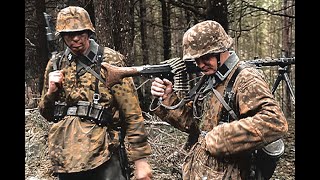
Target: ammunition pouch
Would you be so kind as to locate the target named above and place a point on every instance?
(85, 110)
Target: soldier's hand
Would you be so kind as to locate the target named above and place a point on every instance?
(55, 80)
(143, 170)
(161, 88)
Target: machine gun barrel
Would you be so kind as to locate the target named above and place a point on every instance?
(282, 62)
(50, 27)
(52, 46)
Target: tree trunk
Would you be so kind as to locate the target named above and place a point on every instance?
(113, 20)
(286, 39)
(145, 90)
(103, 25)
(218, 10)
(165, 8)
(36, 56)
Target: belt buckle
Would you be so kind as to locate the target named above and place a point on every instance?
(72, 111)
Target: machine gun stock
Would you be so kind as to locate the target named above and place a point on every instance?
(114, 74)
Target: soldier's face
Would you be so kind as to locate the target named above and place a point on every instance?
(207, 63)
(78, 41)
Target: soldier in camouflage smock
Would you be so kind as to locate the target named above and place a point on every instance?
(84, 139)
(224, 148)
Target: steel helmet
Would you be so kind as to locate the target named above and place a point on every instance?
(203, 38)
(72, 19)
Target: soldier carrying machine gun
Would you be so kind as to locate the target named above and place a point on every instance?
(178, 70)
(174, 67)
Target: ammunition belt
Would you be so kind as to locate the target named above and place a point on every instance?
(85, 110)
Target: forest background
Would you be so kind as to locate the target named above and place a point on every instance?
(150, 31)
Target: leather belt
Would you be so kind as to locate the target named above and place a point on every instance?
(84, 109)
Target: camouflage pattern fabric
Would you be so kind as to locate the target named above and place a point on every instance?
(196, 167)
(204, 38)
(228, 145)
(73, 18)
(78, 144)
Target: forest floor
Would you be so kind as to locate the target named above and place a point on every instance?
(166, 143)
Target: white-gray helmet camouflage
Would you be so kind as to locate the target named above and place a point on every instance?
(204, 38)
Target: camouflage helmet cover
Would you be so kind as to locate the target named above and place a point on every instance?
(72, 19)
(203, 38)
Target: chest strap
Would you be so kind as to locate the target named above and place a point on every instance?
(89, 69)
(95, 72)
(229, 98)
(96, 95)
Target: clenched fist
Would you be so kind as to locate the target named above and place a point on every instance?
(55, 80)
(161, 88)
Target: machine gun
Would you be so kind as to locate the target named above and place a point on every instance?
(283, 64)
(178, 70)
(173, 69)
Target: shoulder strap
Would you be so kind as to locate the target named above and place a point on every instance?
(195, 88)
(96, 73)
(88, 68)
(225, 105)
(229, 98)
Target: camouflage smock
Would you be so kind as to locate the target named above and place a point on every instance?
(79, 145)
(224, 148)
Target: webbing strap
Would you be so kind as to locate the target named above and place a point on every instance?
(229, 97)
(96, 95)
(224, 103)
(96, 73)
(89, 69)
